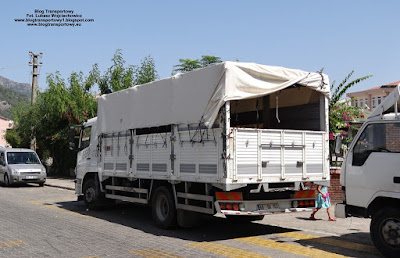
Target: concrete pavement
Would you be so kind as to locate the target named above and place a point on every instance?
(64, 183)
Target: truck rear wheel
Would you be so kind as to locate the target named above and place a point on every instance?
(163, 208)
(385, 231)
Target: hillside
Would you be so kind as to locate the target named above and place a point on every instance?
(23, 88)
(11, 94)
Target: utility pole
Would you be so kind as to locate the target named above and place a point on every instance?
(35, 73)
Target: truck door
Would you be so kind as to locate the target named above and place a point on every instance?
(373, 163)
(86, 156)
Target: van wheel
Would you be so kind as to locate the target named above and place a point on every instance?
(163, 208)
(6, 180)
(91, 194)
(385, 231)
(41, 184)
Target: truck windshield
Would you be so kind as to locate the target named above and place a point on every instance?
(22, 158)
(377, 137)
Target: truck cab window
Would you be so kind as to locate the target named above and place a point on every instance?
(85, 137)
(379, 137)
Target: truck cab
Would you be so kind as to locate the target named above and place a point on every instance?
(370, 176)
(87, 154)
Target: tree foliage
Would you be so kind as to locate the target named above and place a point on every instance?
(119, 77)
(61, 105)
(71, 102)
(341, 113)
(186, 65)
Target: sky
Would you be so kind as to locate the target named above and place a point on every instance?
(339, 36)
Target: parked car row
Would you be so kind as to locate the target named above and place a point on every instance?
(21, 166)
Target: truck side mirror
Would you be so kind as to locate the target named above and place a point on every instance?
(338, 144)
(71, 138)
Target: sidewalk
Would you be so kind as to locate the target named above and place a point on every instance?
(65, 183)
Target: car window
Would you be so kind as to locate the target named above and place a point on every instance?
(22, 158)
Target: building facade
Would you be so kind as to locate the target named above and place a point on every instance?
(370, 98)
(4, 125)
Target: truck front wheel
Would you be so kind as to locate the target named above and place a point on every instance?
(91, 193)
(385, 231)
(163, 208)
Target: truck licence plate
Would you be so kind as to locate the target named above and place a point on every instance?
(30, 177)
(268, 206)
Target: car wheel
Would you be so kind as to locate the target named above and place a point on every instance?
(385, 231)
(41, 184)
(163, 208)
(6, 180)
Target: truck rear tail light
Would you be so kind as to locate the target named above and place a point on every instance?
(236, 206)
(303, 203)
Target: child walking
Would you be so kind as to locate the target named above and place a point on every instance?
(323, 201)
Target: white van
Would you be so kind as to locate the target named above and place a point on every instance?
(21, 166)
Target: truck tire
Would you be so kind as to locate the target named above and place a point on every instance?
(163, 208)
(243, 219)
(92, 194)
(385, 231)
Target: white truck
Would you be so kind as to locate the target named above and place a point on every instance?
(239, 139)
(370, 176)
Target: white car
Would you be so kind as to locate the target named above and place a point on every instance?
(21, 166)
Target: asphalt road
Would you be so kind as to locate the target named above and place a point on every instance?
(49, 222)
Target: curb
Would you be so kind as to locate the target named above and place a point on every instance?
(59, 186)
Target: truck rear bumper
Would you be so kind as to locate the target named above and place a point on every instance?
(256, 213)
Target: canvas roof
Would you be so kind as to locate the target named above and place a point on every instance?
(198, 95)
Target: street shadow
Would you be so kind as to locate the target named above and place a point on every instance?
(213, 228)
(20, 185)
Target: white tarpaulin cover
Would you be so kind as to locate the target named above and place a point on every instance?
(197, 95)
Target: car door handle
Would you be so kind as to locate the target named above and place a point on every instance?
(396, 180)
(87, 158)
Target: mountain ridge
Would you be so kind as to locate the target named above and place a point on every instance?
(11, 93)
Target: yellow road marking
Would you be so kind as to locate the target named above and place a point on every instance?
(52, 206)
(12, 243)
(223, 250)
(294, 249)
(332, 242)
(154, 253)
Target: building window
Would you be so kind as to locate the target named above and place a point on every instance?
(361, 103)
(373, 103)
(366, 102)
(356, 103)
(379, 100)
